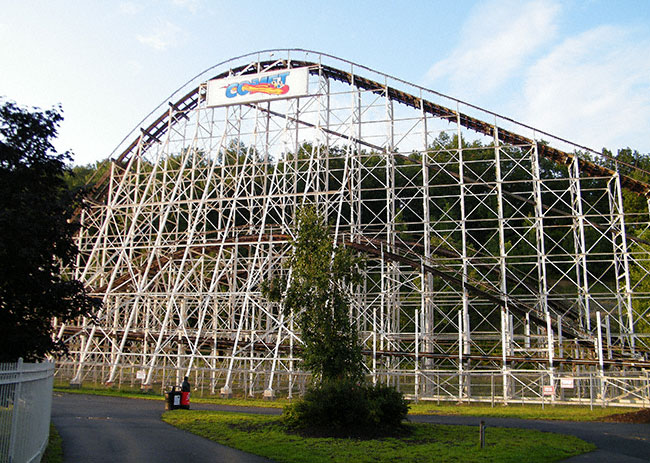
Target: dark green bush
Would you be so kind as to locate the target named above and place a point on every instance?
(388, 407)
(344, 408)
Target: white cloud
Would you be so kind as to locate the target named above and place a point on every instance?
(496, 40)
(591, 86)
(130, 8)
(165, 35)
(594, 89)
(191, 5)
(135, 67)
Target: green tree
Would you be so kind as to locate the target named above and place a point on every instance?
(339, 403)
(316, 294)
(36, 237)
(85, 177)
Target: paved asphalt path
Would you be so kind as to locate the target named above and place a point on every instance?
(112, 429)
(99, 429)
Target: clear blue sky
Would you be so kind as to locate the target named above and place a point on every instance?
(577, 69)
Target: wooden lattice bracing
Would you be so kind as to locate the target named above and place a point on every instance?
(496, 256)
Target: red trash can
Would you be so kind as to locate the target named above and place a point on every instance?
(185, 394)
(185, 400)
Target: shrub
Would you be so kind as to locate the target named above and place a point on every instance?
(344, 408)
(388, 407)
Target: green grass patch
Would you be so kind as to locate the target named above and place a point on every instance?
(526, 412)
(267, 436)
(54, 451)
(137, 394)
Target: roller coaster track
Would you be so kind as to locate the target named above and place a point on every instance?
(441, 212)
(373, 247)
(157, 129)
(225, 343)
(378, 248)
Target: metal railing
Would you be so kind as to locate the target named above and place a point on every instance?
(25, 408)
(618, 389)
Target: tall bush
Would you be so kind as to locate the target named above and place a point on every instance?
(347, 409)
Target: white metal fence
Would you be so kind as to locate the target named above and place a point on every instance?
(619, 389)
(25, 407)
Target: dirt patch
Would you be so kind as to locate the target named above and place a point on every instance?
(641, 416)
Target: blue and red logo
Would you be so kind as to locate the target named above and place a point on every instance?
(269, 85)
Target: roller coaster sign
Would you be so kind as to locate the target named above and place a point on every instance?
(289, 83)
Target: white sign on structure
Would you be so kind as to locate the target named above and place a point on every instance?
(548, 390)
(265, 86)
(566, 383)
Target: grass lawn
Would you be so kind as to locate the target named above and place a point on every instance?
(266, 436)
(54, 451)
(526, 412)
(557, 412)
